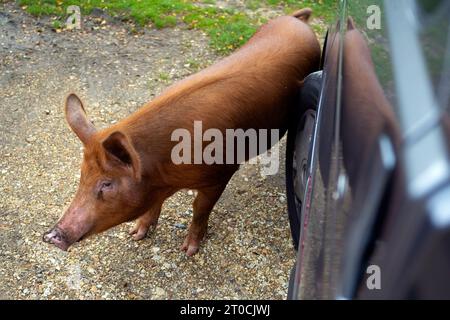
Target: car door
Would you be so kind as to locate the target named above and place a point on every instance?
(353, 154)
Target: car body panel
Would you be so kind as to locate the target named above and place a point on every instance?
(379, 166)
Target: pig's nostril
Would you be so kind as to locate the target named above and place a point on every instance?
(55, 237)
(51, 236)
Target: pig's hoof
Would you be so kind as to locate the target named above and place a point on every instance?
(190, 246)
(139, 232)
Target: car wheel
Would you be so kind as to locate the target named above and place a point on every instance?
(298, 151)
(299, 143)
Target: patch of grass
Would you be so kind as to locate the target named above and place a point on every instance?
(325, 9)
(228, 28)
(193, 64)
(164, 76)
(56, 24)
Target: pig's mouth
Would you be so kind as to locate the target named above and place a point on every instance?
(58, 237)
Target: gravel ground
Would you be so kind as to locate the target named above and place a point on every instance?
(247, 253)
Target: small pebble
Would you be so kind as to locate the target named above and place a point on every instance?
(180, 225)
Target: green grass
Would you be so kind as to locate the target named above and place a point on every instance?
(163, 76)
(193, 65)
(326, 9)
(228, 28)
(56, 24)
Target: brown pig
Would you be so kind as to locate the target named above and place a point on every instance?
(127, 171)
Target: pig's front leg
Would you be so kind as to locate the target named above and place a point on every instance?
(145, 222)
(203, 204)
(150, 218)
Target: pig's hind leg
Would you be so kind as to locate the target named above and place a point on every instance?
(202, 206)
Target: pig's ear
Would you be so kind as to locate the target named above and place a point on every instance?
(119, 148)
(76, 117)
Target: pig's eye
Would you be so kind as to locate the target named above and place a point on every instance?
(106, 185)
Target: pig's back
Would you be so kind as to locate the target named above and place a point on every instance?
(252, 88)
(284, 45)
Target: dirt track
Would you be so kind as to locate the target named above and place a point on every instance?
(248, 252)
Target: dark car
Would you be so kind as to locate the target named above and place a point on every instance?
(368, 157)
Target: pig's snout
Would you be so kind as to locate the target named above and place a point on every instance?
(57, 237)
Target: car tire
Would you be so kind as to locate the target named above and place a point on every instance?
(309, 98)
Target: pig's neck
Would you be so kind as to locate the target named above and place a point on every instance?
(148, 131)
